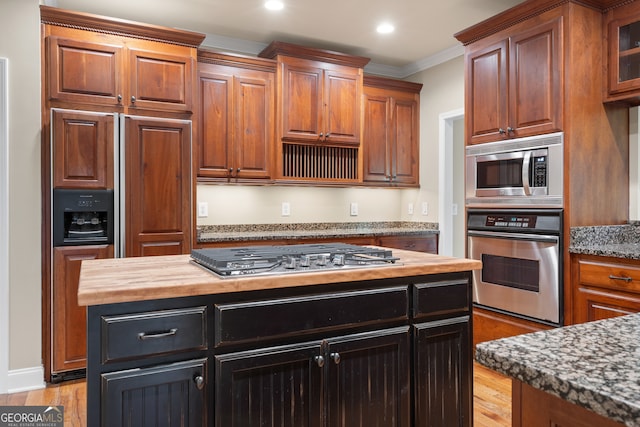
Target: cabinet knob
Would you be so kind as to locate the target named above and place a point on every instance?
(319, 361)
(328, 135)
(237, 169)
(335, 357)
(501, 131)
(199, 380)
(510, 129)
(321, 135)
(119, 99)
(133, 99)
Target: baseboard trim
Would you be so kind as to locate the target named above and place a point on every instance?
(26, 379)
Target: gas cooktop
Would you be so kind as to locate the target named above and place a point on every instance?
(283, 259)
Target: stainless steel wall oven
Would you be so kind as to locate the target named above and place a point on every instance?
(521, 254)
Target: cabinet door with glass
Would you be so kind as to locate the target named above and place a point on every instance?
(624, 57)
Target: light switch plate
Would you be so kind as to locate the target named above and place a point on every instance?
(354, 209)
(286, 209)
(203, 209)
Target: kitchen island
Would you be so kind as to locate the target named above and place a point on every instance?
(579, 375)
(169, 343)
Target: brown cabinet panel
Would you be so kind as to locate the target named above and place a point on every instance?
(302, 104)
(215, 125)
(425, 243)
(343, 91)
(82, 144)
(161, 81)
(514, 84)
(84, 71)
(320, 102)
(69, 333)
(535, 97)
(486, 101)
(158, 186)
(236, 122)
(391, 136)
(604, 287)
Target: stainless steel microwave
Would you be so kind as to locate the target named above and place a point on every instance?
(523, 172)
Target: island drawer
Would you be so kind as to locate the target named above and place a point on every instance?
(443, 297)
(298, 316)
(613, 275)
(153, 333)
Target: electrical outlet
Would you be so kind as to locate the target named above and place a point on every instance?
(425, 208)
(286, 209)
(454, 209)
(410, 209)
(354, 209)
(203, 209)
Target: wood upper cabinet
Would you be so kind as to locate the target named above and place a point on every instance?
(391, 132)
(124, 65)
(82, 149)
(105, 70)
(604, 287)
(235, 120)
(320, 102)
(514, 83)
(157, 186)
(622, 25)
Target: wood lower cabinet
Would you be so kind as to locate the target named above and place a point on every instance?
(391, 131)
(513, 81)
(320, 356)
(69, 332)
(320, 383)
(604, 287)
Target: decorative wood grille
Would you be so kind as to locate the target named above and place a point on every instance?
(319, 162)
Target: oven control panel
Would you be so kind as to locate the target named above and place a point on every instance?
(515, 221)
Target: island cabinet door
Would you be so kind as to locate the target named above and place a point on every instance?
(170, 395)
(277, 386)
(442, 373)
(368, 379)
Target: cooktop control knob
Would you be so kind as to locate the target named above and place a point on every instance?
(322, 259)
(338, 259)
(289, 262)
(305, 261)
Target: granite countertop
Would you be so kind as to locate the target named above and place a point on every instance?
(595, 365)
(253, 232)
(619, 241)
(117, 280)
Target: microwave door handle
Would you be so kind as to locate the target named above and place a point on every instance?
(526, 165)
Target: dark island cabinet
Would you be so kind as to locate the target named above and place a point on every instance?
(379, 352)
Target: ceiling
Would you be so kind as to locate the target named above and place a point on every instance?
(423, 35)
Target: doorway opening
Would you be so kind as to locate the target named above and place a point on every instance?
(451, 214)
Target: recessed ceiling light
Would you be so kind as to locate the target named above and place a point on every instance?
(274, 4)
(385, 28)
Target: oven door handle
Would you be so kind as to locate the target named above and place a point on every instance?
(514, 236)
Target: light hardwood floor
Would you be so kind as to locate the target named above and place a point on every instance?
(491, 400)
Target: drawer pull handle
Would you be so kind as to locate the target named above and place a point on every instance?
(199, 380)
(147, 336)
(335, 357)
(626, 279)
(319, 360)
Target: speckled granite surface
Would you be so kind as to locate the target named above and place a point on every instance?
(620, 241)
(595, 365)
(225, 233)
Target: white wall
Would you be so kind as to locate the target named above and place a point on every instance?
(20, 43)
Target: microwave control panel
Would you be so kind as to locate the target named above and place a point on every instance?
(539, 171)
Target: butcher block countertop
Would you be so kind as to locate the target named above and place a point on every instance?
(117, 280)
